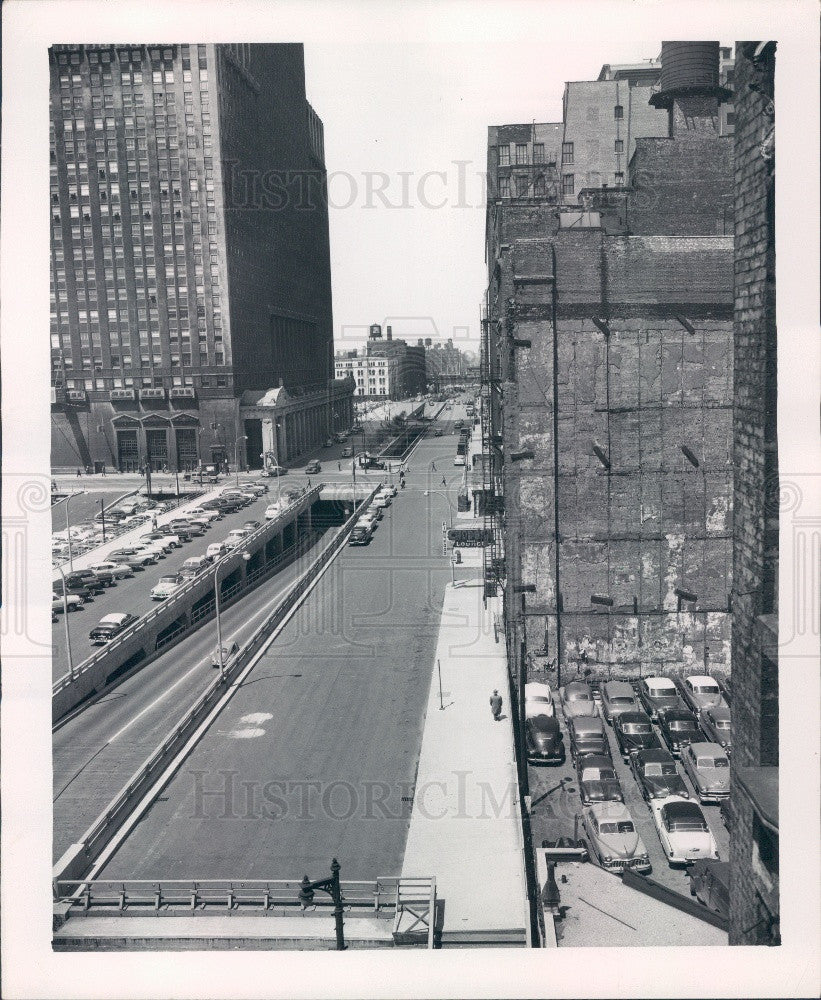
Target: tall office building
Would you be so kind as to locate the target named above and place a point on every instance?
(191, 292)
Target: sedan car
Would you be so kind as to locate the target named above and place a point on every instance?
(236, 537)
(166, 586)
(251, 525)
(617, 697)
(72, 589)
(204, 512)
(136, 558)
(658, 693)
(73, 601)
(347, 451)
(587, 736)
(313, 467)
(657, 776)
(109, 627)
(360, 535)
(678, 727)
(716, 725)
(197, 563)
(120, 571)
(576, 699)
(193, 527)
(229, 654)
(538, 700)
(95, 581)
(634, 732)
(701, 691)
(683, 831)
(709, 770)
(597, 780)
(165, 542)
(612, 837)
(543, 740)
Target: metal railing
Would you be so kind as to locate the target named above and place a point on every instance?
(135, 897)
(176, 598)
(123, 804)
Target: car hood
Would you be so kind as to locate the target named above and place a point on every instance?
(621, 845)
(666, 784)
(607, 790)
(714, 777)
(546, 741)
(692, 841)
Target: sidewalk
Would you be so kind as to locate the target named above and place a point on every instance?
(465, 828)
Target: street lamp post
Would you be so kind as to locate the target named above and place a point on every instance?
(65, 622)
(68, 530)
(332, 887)
(242, 437)
(441, 493)
(246, 556)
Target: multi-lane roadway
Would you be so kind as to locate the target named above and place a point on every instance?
(339, 697)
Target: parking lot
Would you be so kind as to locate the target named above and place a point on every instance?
(556, 802)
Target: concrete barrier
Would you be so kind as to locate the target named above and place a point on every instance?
(270, 546)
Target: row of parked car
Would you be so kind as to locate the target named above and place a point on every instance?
(82, 585)
(119, 519)
(690, 720)
(368, 520)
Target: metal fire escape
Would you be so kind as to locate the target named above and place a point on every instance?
(490, 415)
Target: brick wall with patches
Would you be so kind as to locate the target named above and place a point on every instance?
(638, 516)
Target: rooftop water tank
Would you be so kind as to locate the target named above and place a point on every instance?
(688, 68)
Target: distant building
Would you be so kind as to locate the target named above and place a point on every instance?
(374, 375)
(410, 361)
(181, 303)
(444, 363)
(754, 841)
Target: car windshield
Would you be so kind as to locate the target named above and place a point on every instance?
(598, 774)
(683, 725)
(687, 823)
(540, 698)
(713, 762)
(637, 728)
(721, 723)
(168, 579)
(624, 827)
(658, 770)
(663, 692)
(706, 689)
(580, 696)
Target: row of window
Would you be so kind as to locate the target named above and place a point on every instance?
(521, 154)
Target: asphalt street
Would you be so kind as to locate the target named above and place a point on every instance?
(316, 754)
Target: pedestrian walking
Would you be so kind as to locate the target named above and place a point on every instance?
(78, 473)
(496, 705)
(154, 522)
(309, 482)
(433, 466)
(338, 466)
(444, 481)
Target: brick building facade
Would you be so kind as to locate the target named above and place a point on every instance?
(754, 790)
(607, 384)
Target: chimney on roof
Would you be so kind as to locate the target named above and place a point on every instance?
(389, 333)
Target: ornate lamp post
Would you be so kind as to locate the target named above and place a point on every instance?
(246, 556)
(331, 886)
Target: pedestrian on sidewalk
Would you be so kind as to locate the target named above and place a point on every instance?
(338, 466)
(444, 481)
(78, 473)
(433, 466)
(496, 705)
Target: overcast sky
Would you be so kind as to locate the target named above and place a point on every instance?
(407, 243)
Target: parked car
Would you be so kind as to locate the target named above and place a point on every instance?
(544, 743)
(368, 520)
(187, 573)
(438, 432)
(587, 736)
(253, 490)
(459, 460)
(165, 542)
(376, 511)
(701, 691)
(251, 525)
(597, 779)
(77, 590)
(193, 527)
(328, 443)
(683, 831)
(96, 582)
(313, 467)
(657, 775)
(120, 571)
(110, 627)
(716, 725)
(229, 654)
(634, 732)
(136, 558)
(197, 563)
(360, 535)
(200, 512)
(659, 693)
(617, 697)
(166, 586)
(612, 837)
(381, 500)
(709, 770)
(347, 451)
(710, 884)
(157, 548)
(538, 700)
(275, 509)
(678, 727)
(576, 699)
(73, 601)
(274, 470)
(183, 533)
(236, 537)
